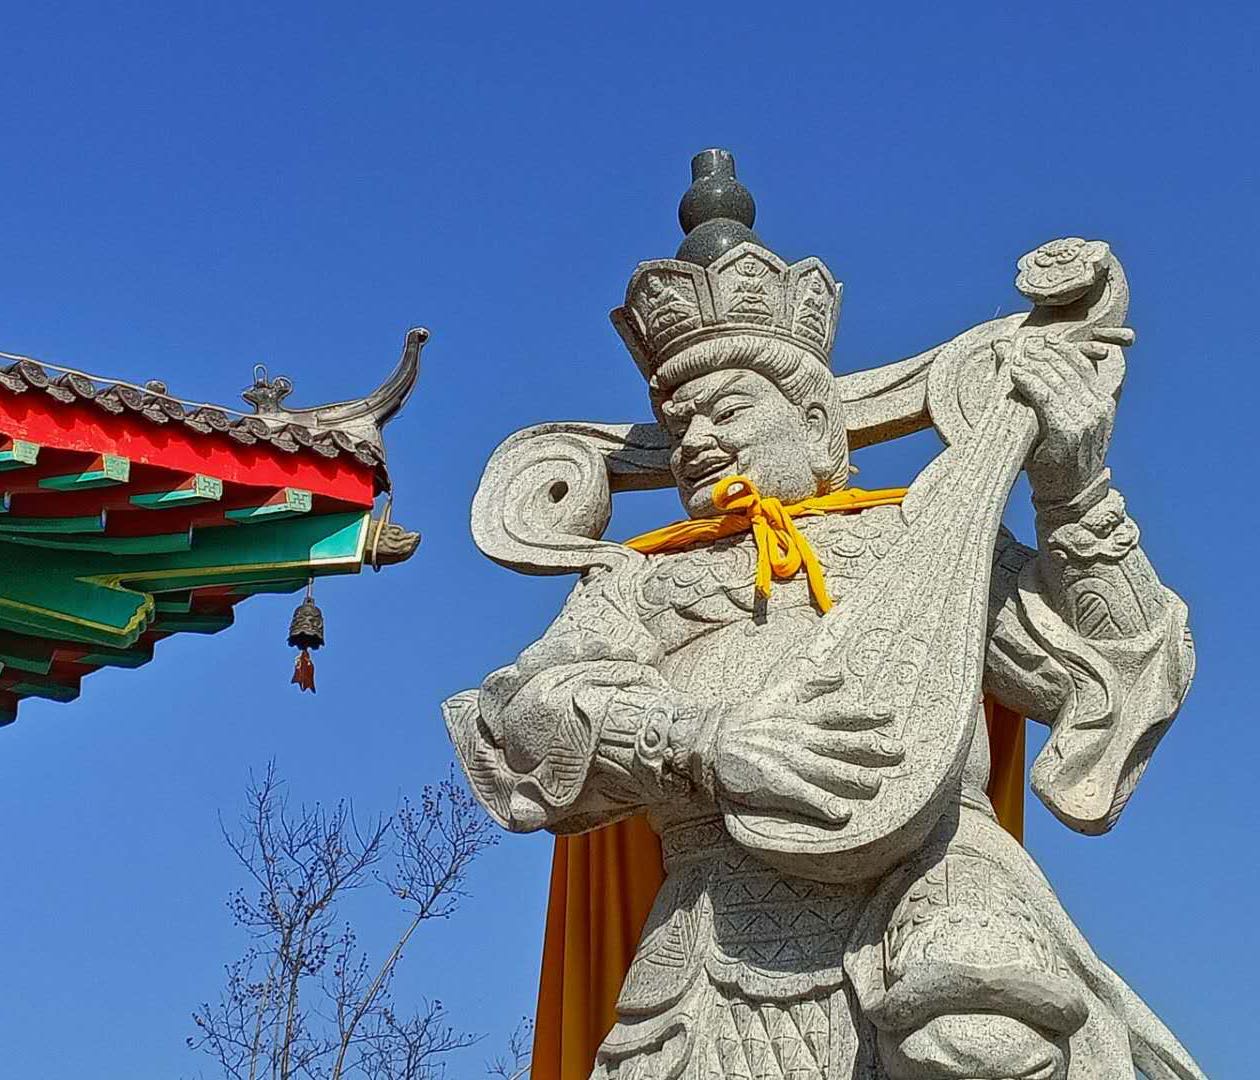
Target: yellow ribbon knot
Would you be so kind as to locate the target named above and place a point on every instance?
(781, 547)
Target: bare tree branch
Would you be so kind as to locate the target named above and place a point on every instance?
(516, 1064)
(434, 847)
(304, 1002)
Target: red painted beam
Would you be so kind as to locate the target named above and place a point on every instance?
(85, 428)
(29, 500)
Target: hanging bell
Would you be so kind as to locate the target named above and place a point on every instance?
(306, 632)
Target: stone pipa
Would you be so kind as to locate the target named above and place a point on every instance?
(910, 636)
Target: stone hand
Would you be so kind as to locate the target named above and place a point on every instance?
(1074, 413)
(802, 758)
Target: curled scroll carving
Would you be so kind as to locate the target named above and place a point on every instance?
(962, 372)
(545, 498)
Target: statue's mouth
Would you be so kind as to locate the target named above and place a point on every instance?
(705, 472)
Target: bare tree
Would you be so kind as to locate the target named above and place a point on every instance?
(305, 1001)
(515, 1064)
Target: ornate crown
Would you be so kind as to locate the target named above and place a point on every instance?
(724, 281)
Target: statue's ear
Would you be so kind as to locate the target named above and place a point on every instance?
(825, 444)
(817, 422)
(818, 429)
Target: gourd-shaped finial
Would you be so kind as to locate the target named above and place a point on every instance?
(717, 211)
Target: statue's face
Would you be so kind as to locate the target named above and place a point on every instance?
(738, 422)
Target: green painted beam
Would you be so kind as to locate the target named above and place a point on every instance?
(106, 471)
(18, 454)
(157, 544)
(49, 689)
(174, 603)
(100, 599)
(121, 658)
(286, 503)
(55, 625)
(309, 545)
(193, 622)
(287, 586)
(11, 523)
(26, 653)
(198, 489)
(92, 619)
(46, 593)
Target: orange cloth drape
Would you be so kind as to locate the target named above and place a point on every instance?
(1006, 766)
(602, 887)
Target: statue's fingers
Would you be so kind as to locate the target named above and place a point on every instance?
(1115, 335)
(820, 686)
(1078, 361)
(1094, 351)
(1049, 392)
(1055, 409)
(1058, 374)
(1073, 378)
(1031, 386)
(1082, 400)
(858, 747)
(838, 777)
(830, 716)
(781, 789)
(1073, 394)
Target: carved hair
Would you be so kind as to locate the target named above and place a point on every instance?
(795, 371)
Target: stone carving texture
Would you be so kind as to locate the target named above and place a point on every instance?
(839, 900)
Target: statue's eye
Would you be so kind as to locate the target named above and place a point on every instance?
(726, 413)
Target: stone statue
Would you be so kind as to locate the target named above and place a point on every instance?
(796, 700)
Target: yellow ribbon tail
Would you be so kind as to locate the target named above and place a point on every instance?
(761, 534)
(813, 571)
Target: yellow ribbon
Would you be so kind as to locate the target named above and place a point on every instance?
(781, 548)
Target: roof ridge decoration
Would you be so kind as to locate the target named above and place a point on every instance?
(350, 427)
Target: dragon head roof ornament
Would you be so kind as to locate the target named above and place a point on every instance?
(723, 282)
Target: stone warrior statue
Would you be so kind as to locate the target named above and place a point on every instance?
(790, 683)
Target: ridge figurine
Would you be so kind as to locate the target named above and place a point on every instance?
(790, 683)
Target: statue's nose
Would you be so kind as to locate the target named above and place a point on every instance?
(698, 437)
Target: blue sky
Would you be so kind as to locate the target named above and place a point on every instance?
(188, 189)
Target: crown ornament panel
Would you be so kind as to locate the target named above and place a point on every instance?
(748, 287)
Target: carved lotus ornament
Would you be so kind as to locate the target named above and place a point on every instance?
(1062, 270)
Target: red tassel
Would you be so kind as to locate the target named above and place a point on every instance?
(304, 672)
